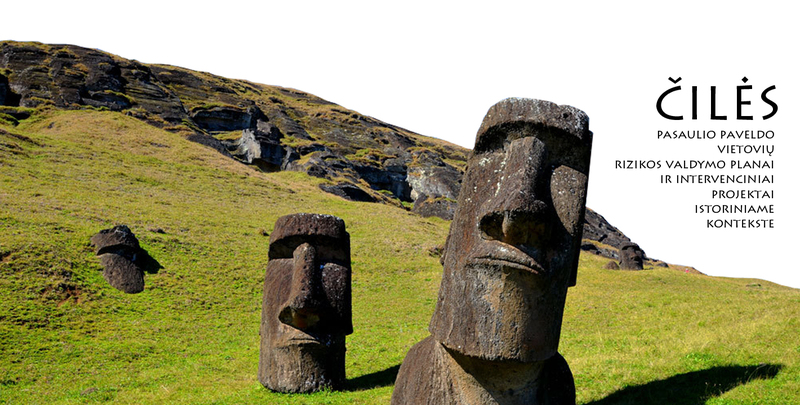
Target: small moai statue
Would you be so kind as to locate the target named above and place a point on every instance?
(306, 307)
(510, 256)
(631, 257)
(121, 258)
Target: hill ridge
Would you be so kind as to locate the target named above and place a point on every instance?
(275, 128)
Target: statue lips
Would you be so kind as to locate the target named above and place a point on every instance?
(296, 337)
(505, 255)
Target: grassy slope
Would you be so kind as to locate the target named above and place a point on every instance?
(650, 337)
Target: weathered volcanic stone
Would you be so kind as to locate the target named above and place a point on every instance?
(306, 308)
(225, 118)
(3, 89)
(511, 254)
(595, 227)
(262, 147)
(348, 191)
(631, 257)
(69, 76)
(121, 258)
(440, 207)
(430, 175)
(612, 265)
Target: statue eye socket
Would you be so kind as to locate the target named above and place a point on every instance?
(284, 249)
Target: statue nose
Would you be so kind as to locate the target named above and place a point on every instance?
(520, 224)
(303, 308)
(517, 211)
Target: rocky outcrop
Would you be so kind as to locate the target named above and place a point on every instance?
(441, 207)
(273, 128)
(348, 191)
(596, 228)
(429, 175)
(225, 118)
(273, 122)
(68, 76)
(3, 89)
(262, 149)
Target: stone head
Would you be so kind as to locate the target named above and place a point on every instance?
(514, 242)
(121, 257)
(306, 310)
(631, 257)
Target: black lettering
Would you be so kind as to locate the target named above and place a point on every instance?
(740, 103)
(770, 102)
(714, 105)
(661, 110)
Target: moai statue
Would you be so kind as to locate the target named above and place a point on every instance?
(511, 253)
(631, 257)
(306, 312)
(121, 257)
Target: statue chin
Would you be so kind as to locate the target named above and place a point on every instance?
(510, 305)
(303, 367)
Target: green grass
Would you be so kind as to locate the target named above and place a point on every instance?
(650, 337)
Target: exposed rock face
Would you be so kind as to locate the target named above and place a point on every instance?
(385, 178)
(225, 118)
(69, 76)
(511, 254)
(597, 228)
(123, 260)
(604, 251)
(431, 176)
(440, 207)
(348, 191)
(3, 89)
(306, 309)
(262, 149)
(631, 257)
(279, 128)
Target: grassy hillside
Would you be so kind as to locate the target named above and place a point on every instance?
(651, 337)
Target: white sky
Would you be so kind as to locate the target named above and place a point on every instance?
(436, 68)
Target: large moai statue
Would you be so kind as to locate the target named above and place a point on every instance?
(306, 311)
(510, 256)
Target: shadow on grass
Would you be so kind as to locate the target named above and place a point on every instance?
(692, 388)
(375, 380)
(148, 263)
